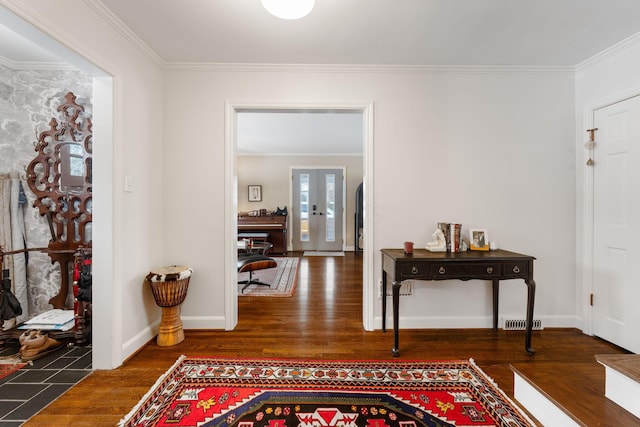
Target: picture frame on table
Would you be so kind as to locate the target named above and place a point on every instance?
(255, 193)
(478, 239)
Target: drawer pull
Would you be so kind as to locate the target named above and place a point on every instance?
(414, 270)
(442, 270)
(489, 270)
(516, 269)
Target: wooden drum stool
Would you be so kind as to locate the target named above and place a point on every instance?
(169, 286)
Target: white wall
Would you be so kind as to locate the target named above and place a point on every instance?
(612, 76)
(273, 173)
(490, 148)
(127, 226)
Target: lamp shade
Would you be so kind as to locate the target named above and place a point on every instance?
(288, 9)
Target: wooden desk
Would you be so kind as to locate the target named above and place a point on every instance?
(424, 265)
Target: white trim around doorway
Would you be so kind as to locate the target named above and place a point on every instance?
(231, 199)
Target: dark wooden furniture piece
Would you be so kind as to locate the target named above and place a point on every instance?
(274, 225)
(425, 265)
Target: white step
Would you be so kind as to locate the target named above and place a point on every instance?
(565, 394)
(539, 404)
(622, 380)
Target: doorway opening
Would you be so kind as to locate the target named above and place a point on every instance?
(102, 100)
(236, 181)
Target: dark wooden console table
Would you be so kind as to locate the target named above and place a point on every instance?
(425, 265)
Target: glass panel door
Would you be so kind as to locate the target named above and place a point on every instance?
(317, 216)
(330, 203)
(303, 207)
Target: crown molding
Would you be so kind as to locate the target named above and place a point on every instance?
(6, 63)
(124, 31)
(121, 28)
(32, 65)
(357, 68)
(58, 40)
(609, 52)
(299, 154)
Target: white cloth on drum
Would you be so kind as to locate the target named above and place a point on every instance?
(170, 273)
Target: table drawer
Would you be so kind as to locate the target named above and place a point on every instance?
(516, 269)
(414, 270)
(470, 270)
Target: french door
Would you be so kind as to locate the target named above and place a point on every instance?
(317, 211)
(616, 288)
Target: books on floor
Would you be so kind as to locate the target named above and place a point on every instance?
(52, 320)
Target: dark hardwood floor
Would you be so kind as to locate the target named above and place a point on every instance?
(323, 320)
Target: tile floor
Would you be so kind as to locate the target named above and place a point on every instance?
(25, 392)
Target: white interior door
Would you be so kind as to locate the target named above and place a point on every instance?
(616, 286)
(317, 211)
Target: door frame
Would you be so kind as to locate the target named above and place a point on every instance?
(232, 108)
(107, 318)
(585, 259)
(344, 199)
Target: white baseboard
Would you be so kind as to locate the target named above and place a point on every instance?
(203, 322)
(455, 322)
(140, 340)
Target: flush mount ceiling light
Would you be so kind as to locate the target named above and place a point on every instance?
(288, 9)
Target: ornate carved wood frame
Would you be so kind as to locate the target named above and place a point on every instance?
(60, 177)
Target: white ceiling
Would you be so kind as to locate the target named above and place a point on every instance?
(379, 32)
(384, 32)
(18, 49)
(300, 132)
(518, 33)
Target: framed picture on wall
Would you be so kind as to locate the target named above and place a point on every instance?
(478, 239)
(255, 193)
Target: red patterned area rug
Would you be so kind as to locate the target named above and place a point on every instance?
(9, 365)
(296, 393)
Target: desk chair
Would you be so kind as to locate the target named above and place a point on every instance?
(252, 262)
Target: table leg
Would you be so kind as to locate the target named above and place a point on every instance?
(384, 301)
(395, 290)
(531, 295)
(496, 291)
